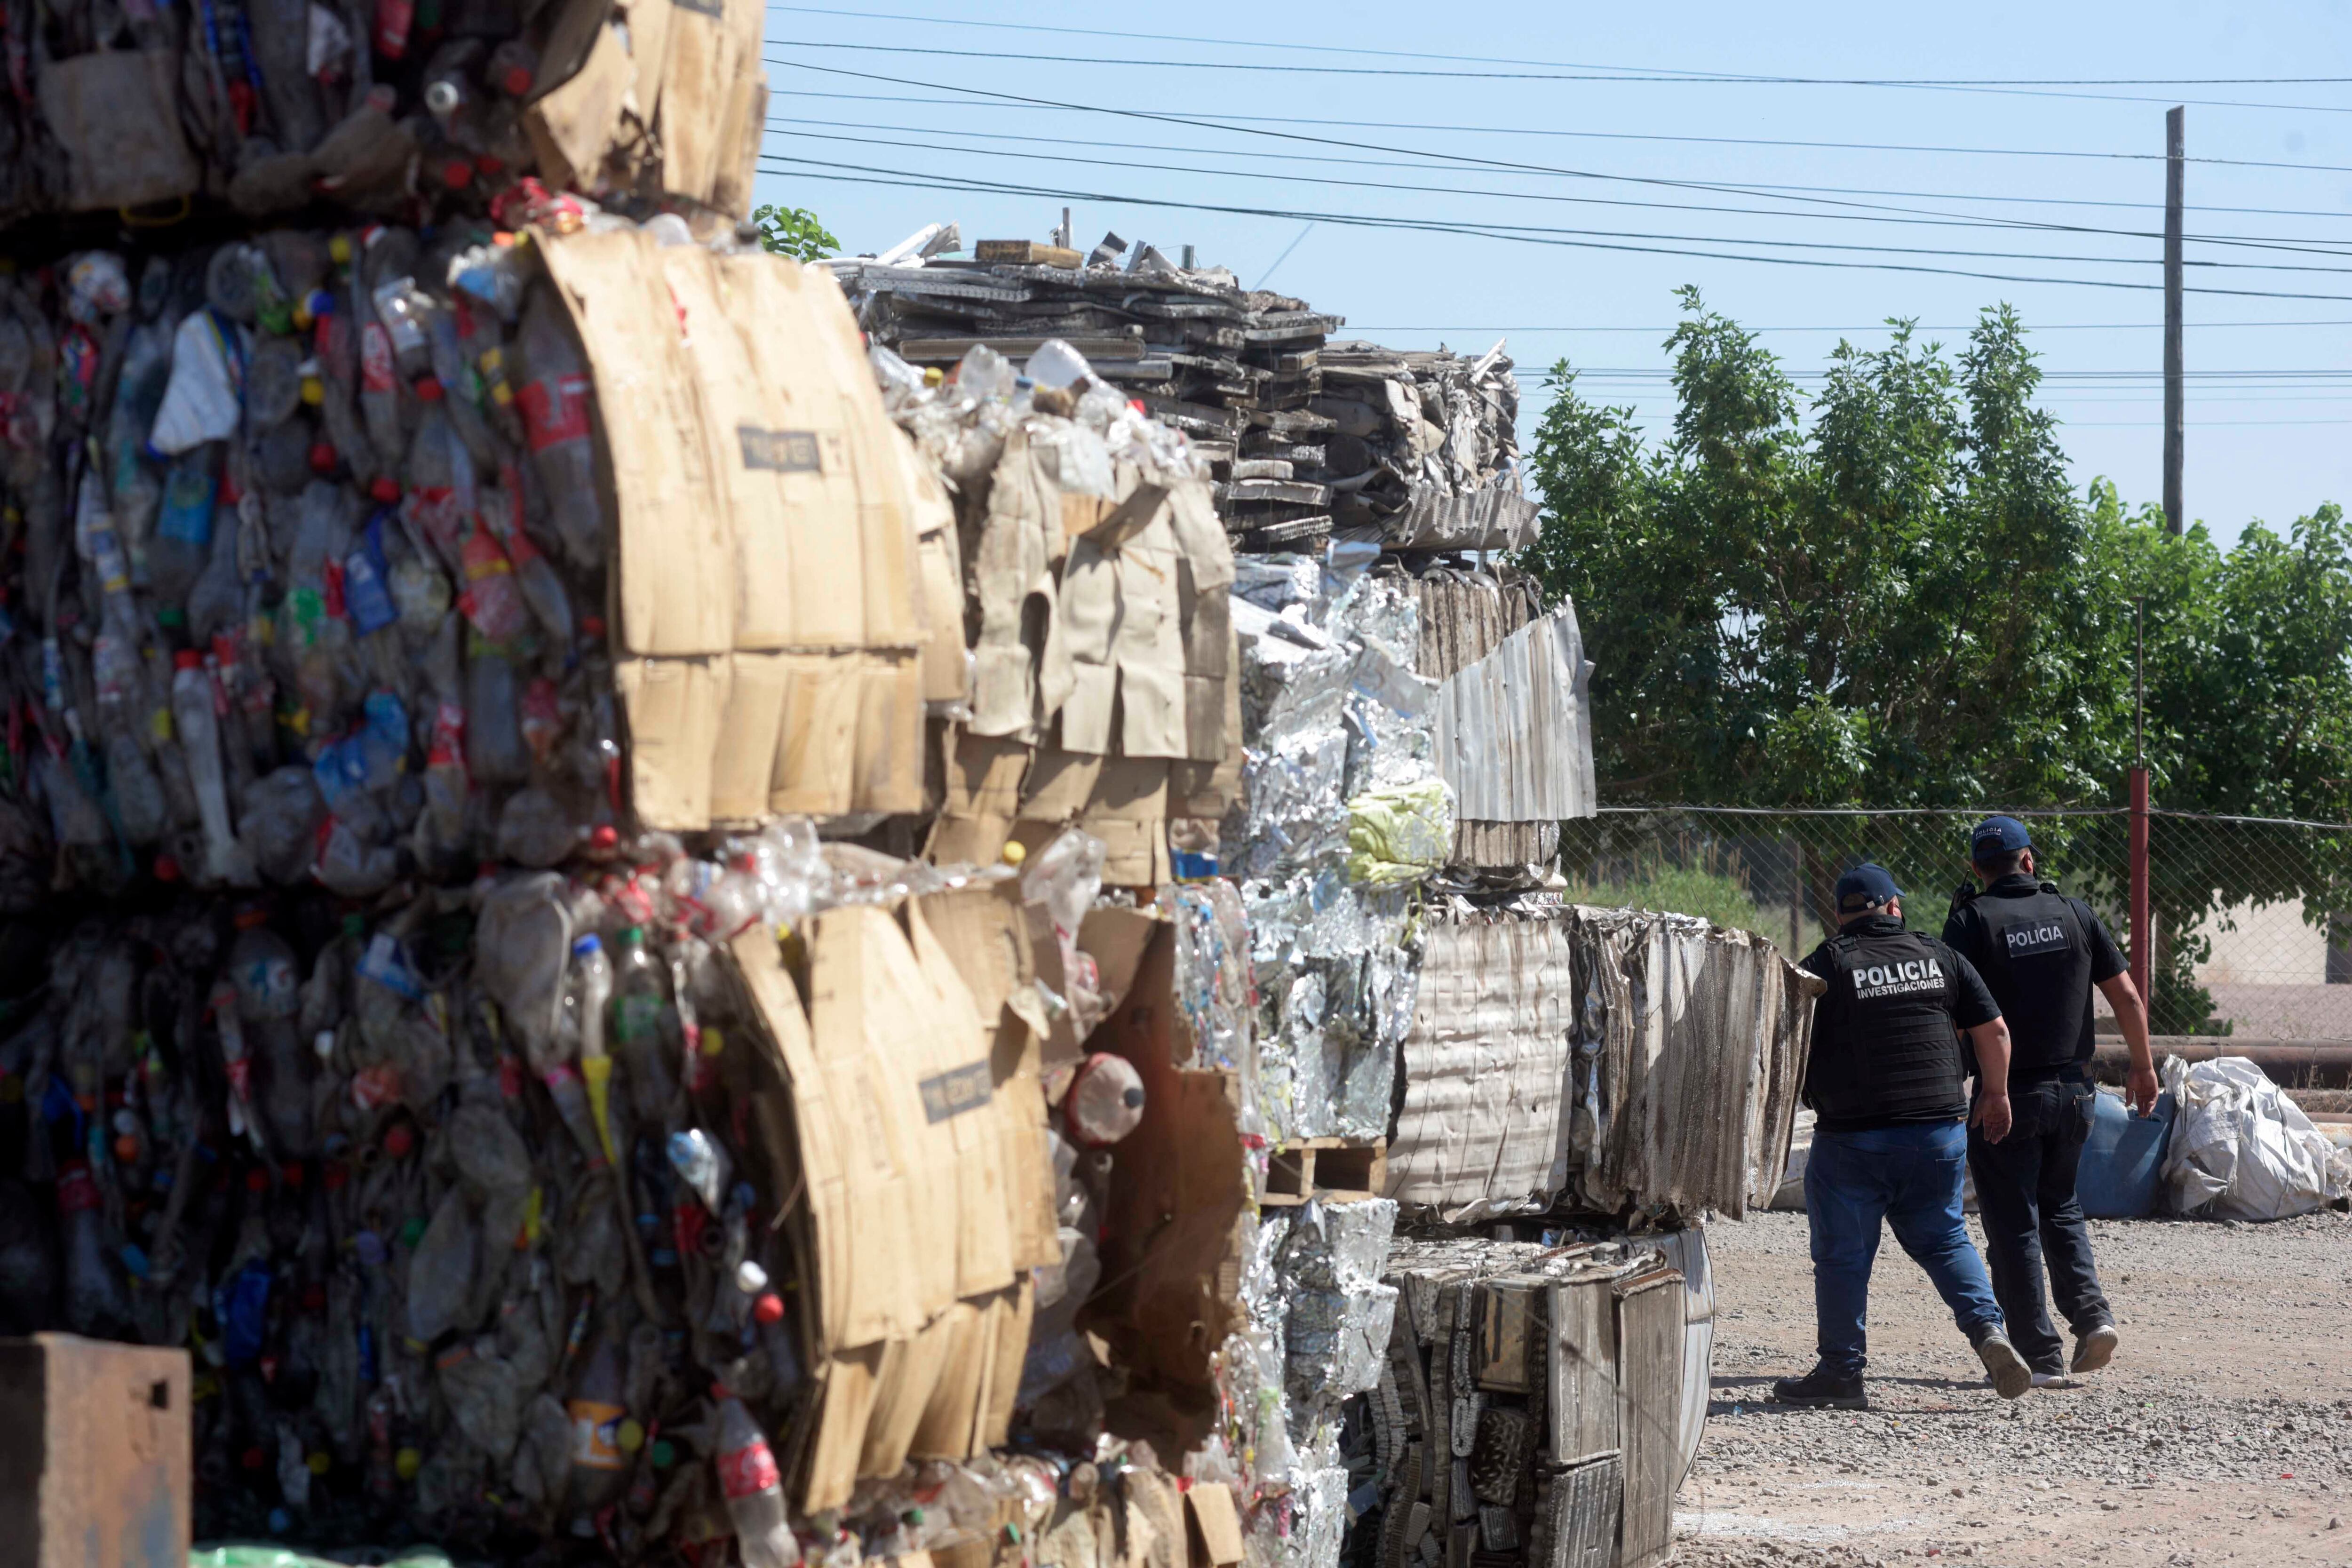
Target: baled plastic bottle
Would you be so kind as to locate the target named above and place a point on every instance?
(192, 716)
(637, 1028)
(442, 1270)
(553, 398)
(1105, 1103)
(597, 1407)
(495, 753)
(754, 1491)
(181, 547)
(95, 1303)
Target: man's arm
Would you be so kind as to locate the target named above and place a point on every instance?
(2131, 1013)
(1991, 1112)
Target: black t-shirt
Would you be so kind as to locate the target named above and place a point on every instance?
(1879, 1010)
(2047, 1004)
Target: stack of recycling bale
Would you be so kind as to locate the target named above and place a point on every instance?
(371, 1030)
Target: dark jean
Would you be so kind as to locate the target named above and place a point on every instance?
(2025, 1195)
(1910, 1177)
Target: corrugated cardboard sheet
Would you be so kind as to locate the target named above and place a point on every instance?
(666, 96)
(1515, 729)
(924, 1203)
(1594, 1052)
(770, 622)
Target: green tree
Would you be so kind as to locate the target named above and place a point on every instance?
(794, 232)
(1893, 598)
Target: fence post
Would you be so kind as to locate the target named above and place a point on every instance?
(2142, 948)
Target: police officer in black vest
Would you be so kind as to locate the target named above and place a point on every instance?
(1886, 1081)
(2041, 953)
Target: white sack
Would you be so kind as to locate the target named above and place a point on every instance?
(2241, 1149)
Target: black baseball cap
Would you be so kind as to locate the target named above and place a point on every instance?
(1998, 836)
(1866, 887)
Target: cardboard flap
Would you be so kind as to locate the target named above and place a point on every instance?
(1216, 1524)
(572, 125)
(877, 1037)
(707, 42)
(673, 543)
(674, 708)
(960, 1108)
(1115, 940)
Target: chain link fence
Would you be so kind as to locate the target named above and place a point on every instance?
(2251, 918)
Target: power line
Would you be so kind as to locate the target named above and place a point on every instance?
(776, 121)
(1927, 220)
(1248, 120)
(1507, 165)
(1875, 327)
(1588, 76)
(1496, 60)
(858, 174)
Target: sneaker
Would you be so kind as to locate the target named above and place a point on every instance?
(2053, 1380)
(2010, 1376)
(1822, 1389)
(2094, 1347)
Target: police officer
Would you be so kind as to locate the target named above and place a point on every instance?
(2040, 952)
(1886, 1082)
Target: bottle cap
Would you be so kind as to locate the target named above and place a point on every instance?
(398, 1140)
(412, 1231)
(187, 659)
(1014, 852)
(516, 81)
(629, 1436)
(586, 945)
(167, 870)
(406, 1463)
(769, 1307)
(458, 174)
(322, 456)
(428, 388)
(635, 934)
(386, 488)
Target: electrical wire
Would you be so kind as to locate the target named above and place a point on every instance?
(1584, 75)
(1500, 60)
(1248, 120)
(1505, 166)
(1927, 218)
(1396, 163)
(858, 174)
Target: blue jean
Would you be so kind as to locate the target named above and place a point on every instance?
(1910, 1177)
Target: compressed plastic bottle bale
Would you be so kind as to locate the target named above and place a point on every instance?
(441, 1272)
(483, 1400)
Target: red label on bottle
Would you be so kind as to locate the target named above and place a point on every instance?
(375, 358)
(376, 1086)
(392, 20)
(76, 1191)
(554, 409)
(748, 1471)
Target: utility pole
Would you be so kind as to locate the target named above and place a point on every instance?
(2175, 415)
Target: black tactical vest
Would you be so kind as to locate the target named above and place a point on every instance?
(1885, 1043)
(2037, 964)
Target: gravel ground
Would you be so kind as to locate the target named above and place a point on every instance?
(2222, 1432)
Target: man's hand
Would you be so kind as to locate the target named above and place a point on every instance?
(1991, 1114)
(2141, 1090)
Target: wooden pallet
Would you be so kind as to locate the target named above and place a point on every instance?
(1337, 1169)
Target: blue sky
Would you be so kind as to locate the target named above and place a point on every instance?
(1607, 173)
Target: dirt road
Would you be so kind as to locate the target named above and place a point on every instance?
(2222, 1434)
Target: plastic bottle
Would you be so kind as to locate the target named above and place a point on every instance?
(597, 1408)
(1105, 1103)
(441, 1273)
(553, 398)
(495, 753)
(541, 585)
(513, 67)
(95, 1304)
(591, 984)
(183, 530)
(492, 599)
(700, 1164)
(192, 716)
(754, 1491)
(637, 1028)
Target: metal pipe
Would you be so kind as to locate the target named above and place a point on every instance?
(2298, 1063)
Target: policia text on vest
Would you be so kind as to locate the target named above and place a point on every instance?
(2042, 954)
(1888, 1083)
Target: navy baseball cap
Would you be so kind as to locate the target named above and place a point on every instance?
(1866, 887)
(1998, 836)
